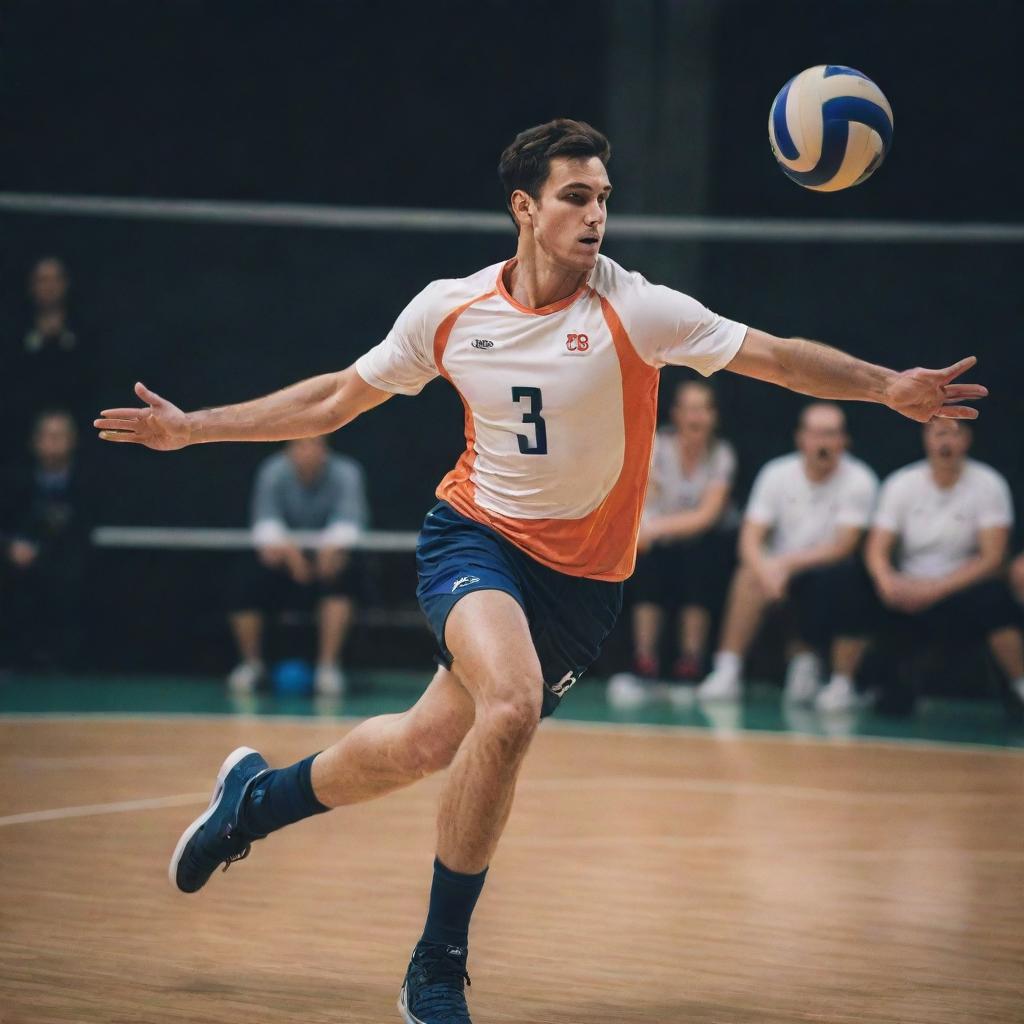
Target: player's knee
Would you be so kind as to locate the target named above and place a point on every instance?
(512, 720)
(435, 752)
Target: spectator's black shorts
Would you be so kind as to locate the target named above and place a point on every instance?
(255, 587)
(683, 573)
(967, 616)
(833, 600)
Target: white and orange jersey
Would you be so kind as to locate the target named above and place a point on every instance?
(561, 402)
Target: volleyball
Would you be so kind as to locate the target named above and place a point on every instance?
(830, 128)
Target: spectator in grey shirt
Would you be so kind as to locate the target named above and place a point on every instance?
(306, 487)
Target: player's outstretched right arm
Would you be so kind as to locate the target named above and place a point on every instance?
(315, 406)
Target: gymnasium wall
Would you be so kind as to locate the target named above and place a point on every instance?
(367, 104)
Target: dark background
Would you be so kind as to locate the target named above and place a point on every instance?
(409, 105)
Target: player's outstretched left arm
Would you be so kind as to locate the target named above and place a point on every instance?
(315, 406)
(824, 372)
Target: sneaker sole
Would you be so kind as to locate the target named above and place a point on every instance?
(232, 759)
(403, 1009)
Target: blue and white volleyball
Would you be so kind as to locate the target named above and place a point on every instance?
(830, 128)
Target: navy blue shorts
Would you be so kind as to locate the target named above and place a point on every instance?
(569, 616)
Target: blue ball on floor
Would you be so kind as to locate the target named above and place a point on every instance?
(292, 677)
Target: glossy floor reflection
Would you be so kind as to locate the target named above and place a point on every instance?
(953, 721)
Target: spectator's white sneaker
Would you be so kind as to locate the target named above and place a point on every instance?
(626, 691)
(803, 679)
(329, 681)
(838, 696)
(720, 685)
(245, 676)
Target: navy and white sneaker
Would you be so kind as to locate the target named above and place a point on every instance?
(217, 836)
(433, 991)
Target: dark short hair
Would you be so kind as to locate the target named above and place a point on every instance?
(526, 163)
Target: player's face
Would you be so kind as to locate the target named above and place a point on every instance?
(946, 441)
(569, 216)
(822, 438)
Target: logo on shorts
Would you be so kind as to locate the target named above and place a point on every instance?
(560, 688)
(577, 342)
(482, 343)
(464, 581)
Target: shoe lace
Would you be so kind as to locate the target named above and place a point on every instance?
(443, 996)
(240, 855)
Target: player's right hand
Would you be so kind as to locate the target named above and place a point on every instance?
(161, 425)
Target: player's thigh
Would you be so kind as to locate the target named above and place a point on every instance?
(493, 652)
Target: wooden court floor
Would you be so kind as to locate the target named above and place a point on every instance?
(656, 878)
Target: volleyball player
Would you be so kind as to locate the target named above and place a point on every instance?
(555, 354)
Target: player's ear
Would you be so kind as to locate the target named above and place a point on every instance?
(520, 203)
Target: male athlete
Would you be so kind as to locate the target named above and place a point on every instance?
(555, 355)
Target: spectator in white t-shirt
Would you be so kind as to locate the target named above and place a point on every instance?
(803, 525)
(937, 551)
(686, 545)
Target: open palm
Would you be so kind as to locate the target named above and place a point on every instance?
(160, 425)
(924, 395)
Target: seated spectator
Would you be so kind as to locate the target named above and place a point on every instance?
(305, 487)
(686, 544)
(936, 553)
(798, 542)
(45, 527)
(50, 366)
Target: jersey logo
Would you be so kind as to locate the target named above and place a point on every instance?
(577, 342)
(559, 689)
(482, 343)
(464, 581)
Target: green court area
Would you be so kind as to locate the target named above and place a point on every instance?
(983, 722)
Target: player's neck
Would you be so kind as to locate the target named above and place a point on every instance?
(535, 281)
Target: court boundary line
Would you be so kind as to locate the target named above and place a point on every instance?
(567, 725)
(93, 810)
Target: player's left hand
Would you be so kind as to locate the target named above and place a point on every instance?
(924, 395)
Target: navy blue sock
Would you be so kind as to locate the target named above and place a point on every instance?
(452, 899)
(281, 797)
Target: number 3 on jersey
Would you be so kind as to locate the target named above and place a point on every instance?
(534, 417)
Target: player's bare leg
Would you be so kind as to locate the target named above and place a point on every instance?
(250, 800)
(488, 634)
(389, 752)
(494, 655)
